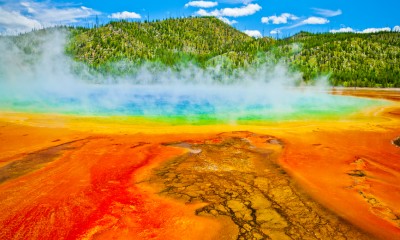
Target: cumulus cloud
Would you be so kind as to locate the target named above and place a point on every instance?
(68, 15)
(201, 4)
(125, 15)
(342, 30)
(327, 12)
(227, 21)
(374, 30)
(203, 12)
(275, 31)
(27, 5)
(237, 1)
(314, 21)
(25, 16)
(13, 22)
(253, 33)
(307, 21)
(54, 14)
(283, 18)
(368, 30)
(246, 10)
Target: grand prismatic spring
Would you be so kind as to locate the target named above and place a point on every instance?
(256, 159)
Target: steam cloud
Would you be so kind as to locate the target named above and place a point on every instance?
(44, 79)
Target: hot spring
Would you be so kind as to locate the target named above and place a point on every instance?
(188, 104)
(44, 82)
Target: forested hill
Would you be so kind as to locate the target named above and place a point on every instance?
(349, 59)
(170, 42)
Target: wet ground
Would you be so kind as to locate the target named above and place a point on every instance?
(243, 182)
(64, 177)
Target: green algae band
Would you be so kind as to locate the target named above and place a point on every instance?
(181, 104)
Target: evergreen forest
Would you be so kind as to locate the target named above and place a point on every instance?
(118, 48)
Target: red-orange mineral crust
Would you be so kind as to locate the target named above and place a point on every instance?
(78, 178)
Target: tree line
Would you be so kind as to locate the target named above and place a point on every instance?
(119, 48)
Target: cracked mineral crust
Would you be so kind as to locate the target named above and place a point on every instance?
(237, 176)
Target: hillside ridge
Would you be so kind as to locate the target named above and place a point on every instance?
(348, 59)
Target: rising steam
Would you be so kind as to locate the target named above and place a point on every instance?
(36, 75)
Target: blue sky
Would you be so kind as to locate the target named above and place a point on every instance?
(277, 18)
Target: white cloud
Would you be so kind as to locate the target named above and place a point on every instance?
(283, 18)
(342, 30)
(253, 33)
(227, 21)
(368, 30)
(237, 1)
(12, 22)
(125, 15)
(25, 16)
(275, 31)
(27, 5)
(202, 12)
(314, 21)
(374, 30)
(308, 21)
(327, 12)
(201, 4)
(65, 15)
(246, 10)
